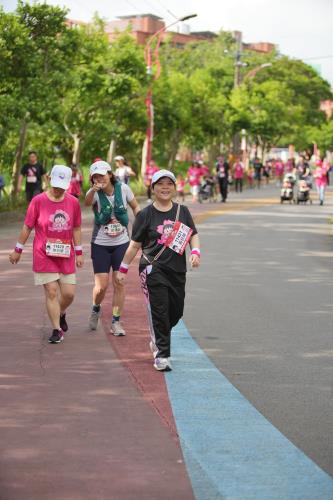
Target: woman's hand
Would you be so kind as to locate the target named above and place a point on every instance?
(194, 260)
(120, 278)
(14, 257)
(79, 261)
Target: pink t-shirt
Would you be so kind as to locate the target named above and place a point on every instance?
(180, 186)
(194, 174)
(238, 171)
(320, 175)
(279, 168)
(204, 170)
(75, 185)
(53, 221)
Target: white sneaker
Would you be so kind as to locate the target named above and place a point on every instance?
(117, 329)
(162, 364)
(153, 348)
(93, 320)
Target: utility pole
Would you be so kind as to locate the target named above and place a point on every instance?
(238, 58)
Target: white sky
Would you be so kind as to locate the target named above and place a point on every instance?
(300, 28)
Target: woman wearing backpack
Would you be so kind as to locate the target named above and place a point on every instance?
(109, 199)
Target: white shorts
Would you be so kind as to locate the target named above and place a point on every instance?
(195, 190)
(44, 278)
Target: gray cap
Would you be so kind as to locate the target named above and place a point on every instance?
(163, 173)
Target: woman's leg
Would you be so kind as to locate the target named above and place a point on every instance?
(67, 293)
(100, 287)
(52, 303)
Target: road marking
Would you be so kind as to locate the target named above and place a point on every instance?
(231, 450)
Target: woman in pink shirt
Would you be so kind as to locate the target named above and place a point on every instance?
(76, 182)
(238, 173)
(56, 217)
(320, 176)
(194, 175)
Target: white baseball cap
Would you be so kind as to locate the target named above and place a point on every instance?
(60, 176)
(99, 167)
(121, 158)
(163, 173)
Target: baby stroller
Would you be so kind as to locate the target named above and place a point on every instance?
(206, 190)
(287, 190)
(303, 192)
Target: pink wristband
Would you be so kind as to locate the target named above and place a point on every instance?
(78, 250)
(18, 250)
(196, 251)
(123, 269)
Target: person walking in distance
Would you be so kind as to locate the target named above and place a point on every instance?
(123, 172)
(150, 170)
(257, 165)
(56, 218)
(162, 231)
(320, 176)
(222, 172)
(238, 171)
(34, 173)
(109, 199)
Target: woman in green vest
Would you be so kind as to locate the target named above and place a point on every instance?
(109, 199)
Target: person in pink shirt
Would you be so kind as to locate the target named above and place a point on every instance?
(180, 187)
(204, 169)
(194, 175)
(320, 176)
(238, 174)
(76, 182)
(150, 170)
(279, 171)
(56, 218)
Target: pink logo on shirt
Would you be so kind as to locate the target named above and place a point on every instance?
(165, 230)
(59, 221)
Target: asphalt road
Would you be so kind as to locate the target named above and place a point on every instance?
(261, 308)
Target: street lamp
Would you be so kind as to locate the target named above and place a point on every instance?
(150, 63)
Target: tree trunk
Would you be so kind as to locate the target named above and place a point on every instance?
(144, 158)
(111, 151)
(19, 154)
(173, 149)
(76, 151)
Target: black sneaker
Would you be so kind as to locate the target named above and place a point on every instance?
(63, 322)
(56, 337)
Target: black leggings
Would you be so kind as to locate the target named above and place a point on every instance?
(164, 290)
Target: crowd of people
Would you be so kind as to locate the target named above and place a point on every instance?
(162, 231)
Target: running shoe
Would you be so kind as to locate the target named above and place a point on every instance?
(117, 329)
(93, 321)
(63, 322)
(153, 348)
(56, 337)
(162, 365)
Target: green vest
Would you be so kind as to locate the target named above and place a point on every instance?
(120, 212)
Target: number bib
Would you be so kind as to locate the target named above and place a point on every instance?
(113, 229)
(31, 179)
(179, 237)
(58, 248)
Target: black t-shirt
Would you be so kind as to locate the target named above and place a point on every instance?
(222, 170)
(151, 226)
(33, 175)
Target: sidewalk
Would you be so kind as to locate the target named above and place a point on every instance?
(88, 419)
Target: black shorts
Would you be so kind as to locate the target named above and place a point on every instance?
(105, 257)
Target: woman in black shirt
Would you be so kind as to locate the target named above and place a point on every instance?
(162, 231)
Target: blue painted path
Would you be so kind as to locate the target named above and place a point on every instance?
(231, 450)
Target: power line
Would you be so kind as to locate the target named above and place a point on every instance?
(318, 57)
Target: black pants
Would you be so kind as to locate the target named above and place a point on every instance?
(239, 185)
(223, 185)
(164, 290)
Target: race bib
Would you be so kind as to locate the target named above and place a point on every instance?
(58, 248)
(179, 237)
(32, 179)
(113, 229)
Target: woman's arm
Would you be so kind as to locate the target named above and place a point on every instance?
(131, 252)
(15, 256)
(89, 199)
(134, 206)
(77, 246)
(195, 251)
